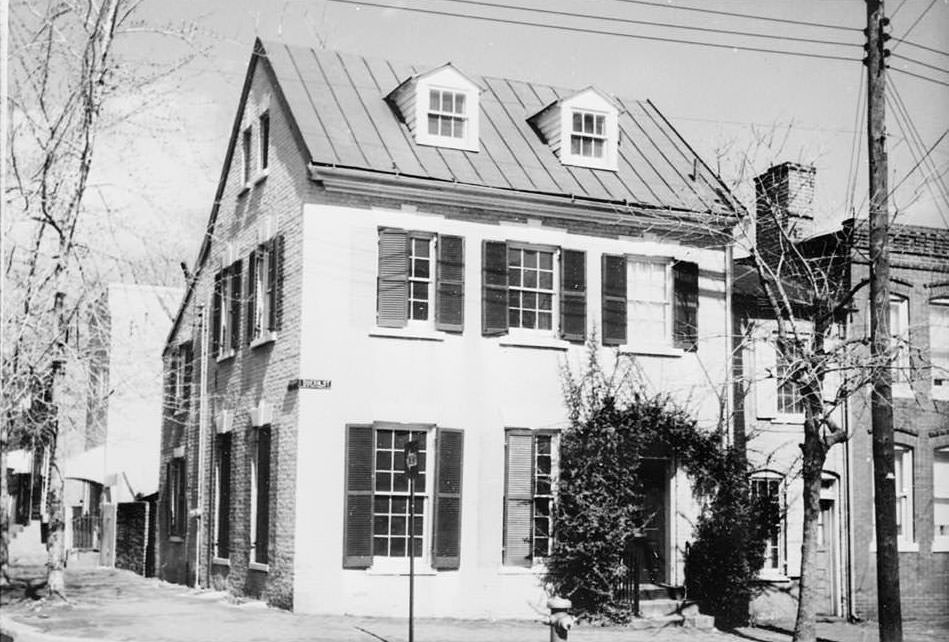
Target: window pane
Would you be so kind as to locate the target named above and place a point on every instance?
(546, 260)
(577, 121)
(544, 321)
(459, 104)
(447, 103)
(575, 145)
(434, 100)
(459, 128)
(433, 125)
(600, 125)
(528, 319)
(530, 279)
(588, 123)
(530, 258)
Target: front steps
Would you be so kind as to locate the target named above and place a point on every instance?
(662, 605)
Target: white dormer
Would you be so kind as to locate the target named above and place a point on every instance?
(582, 130)
(440, 107)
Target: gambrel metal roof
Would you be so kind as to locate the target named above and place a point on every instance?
(338, 103)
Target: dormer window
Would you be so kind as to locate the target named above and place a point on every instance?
(588, 134)
(582, 130)
(446, 113)
(440, 108)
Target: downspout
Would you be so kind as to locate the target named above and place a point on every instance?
(729, 347)
(851, 543)
(202, 429)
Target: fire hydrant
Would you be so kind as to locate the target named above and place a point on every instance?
(560, 620)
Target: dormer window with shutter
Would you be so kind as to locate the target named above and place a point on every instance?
(440, 108)
(582, 130)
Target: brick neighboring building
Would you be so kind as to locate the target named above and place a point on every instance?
(397, 253)
(772, 418)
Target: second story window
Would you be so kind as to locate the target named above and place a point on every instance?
(226, 310)
(531, 294)
(182, 365)
(446, 113)
(790, 401)
(420, 280)
(588, 134)
(939, 347)
(264, 294)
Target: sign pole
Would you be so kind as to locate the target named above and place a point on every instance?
(411, 471)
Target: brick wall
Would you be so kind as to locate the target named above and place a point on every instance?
(921, 423)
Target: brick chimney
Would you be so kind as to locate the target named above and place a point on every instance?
(784, 196)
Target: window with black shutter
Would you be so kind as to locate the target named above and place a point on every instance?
(176, 499)
(529, 472)
(614, 299)
(260, 515)
(234, 304)
(222, 495)
(685, 305)
(377, 513)
(573, 302)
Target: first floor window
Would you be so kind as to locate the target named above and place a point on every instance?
(768, 490)
(903, 473)
(176, 498)
(378, 525)
(260, 496)
(529, 494)
(531, 293)
(222, 495)
(391, 519)
(941, 495)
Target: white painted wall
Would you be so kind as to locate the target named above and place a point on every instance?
(478, 384)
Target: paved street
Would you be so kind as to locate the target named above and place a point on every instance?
(118, 605)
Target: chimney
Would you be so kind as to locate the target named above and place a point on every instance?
(784, 197)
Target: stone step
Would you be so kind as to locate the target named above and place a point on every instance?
(658, 608)
(657, 622)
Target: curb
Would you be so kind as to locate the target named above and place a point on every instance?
(10, 629)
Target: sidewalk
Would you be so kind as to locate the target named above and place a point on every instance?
(108, 604)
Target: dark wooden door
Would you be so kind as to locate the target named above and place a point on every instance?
(653, 568)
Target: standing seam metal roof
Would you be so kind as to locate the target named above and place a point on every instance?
(338, 103)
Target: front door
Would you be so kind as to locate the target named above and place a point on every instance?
(827, 558)
(653, 568)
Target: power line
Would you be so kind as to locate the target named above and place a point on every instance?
(926, 155)
(600, 32)
(902, 71)
(915, 44)
(855, 143)
(916, 22)
(672, 25)
(921, 63)
(917, 138)
(741, 15)
(911, 143)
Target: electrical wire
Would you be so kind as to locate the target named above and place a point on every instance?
(855, 143)
(600, 32)
(924, 47)
(916, 22)
(671, 25)
(902, 71)
(919, 62)
(903, 111)
(741, 15)
(913, 169)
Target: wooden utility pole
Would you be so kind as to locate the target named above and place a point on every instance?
(881, 404)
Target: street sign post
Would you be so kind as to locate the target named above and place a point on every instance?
(411, 471)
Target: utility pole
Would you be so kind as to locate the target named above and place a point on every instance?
(881, 403)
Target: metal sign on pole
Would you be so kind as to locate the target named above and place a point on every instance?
(411, 471)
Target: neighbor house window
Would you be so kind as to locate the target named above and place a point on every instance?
(769, 489)
(939, 346)
(531, 294)
(260, 496)
(264, 286)
(529, 494)
(941, 499)
(789, 398)
(226, 309)
(899, 329)
(263, 151)
(377, 523)
(222, 495)
(421, 280)
(903, 473)
(182, 364)
(177, 500)
(446, 113)
(246, 138)
(588, 134)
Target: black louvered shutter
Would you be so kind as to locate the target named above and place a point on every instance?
(261, 546)
(224, 510)
(518, 497)
(450, 295)
(393, 280)
(188, 365)
(573, 299)
(235, 304)
(447, 540)
(357, 536)
(251, 314)
(614, 300)
(216, 311)
(685, 305)
(277, 259)
(494, 288)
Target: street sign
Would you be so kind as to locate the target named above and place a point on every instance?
(310, 384)
(411, 459)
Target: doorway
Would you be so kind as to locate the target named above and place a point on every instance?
(827, 557)
(655, 490)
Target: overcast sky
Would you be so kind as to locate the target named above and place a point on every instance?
(726, 101)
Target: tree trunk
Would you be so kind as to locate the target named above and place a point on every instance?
(4, 507)
(56, 541)
(815, 453)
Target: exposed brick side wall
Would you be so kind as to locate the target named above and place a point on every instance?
(131, 524)
(921, 423)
